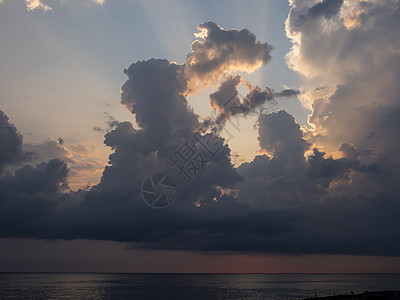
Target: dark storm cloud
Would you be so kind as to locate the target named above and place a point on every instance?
(47, 178)
(280, 134)
(10, 144)
(324, 189)
(284, 202)
(30, 196)
(153, 93)
(278, 208)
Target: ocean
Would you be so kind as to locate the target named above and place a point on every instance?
(188, 286)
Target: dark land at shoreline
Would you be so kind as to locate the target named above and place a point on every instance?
(381, 295)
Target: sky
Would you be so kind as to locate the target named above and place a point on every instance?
(199, 136)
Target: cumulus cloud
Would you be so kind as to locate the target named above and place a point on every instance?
(218, 51)
(47, 178)
(290, 149)
(153, 93)
(11, 151)
(351, 49)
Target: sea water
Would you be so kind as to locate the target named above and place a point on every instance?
(188, 286)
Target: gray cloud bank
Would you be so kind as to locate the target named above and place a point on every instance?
(284, 202)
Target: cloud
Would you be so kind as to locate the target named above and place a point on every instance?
(110, 121)
(284, 204)
(286, 200)
(37, 4)
(227, 102)
(227, 94)
(346, 60)
(47, 178)
(100, 2)
(10, 144)
(326, 9)
(278, 133)
(287, 93)
(153, 92)
(85, 164)
(218, 51)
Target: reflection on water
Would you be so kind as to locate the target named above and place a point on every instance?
(182, 286)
